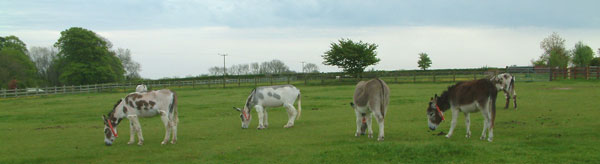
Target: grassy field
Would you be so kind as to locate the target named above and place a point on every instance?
(557, 122)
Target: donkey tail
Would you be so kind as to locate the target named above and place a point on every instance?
(173, 109)
(299, 105)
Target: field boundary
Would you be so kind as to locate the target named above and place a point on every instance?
(429, 76)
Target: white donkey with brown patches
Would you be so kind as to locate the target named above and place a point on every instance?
(467, 97)
(370, 97)
(141, 88)
(506, 82)
(265, 97)
(147, 104)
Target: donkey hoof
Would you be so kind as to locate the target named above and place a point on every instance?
(380, 138)
(173, 142)
(288, 126)
(448, 136)
(140, 143)
(482, 138)
(489, 139)
(130, 142)
(370, 135)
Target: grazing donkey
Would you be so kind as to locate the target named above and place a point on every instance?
(370, 97)
(467, 97)
(271, 96)
(146, 104)
(141, 88)
(506, 83)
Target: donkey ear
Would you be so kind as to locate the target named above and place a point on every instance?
(436, 96)
(238, 109)
(352, 104)
(431, 99)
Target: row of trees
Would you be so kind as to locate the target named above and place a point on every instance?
(268, 67)
(80, 56)
(556, 55)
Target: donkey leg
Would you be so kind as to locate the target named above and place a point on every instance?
(369, 121)
(174, 129)
(453, 123)
(380, 121)
(507, 97)
(166, 122)
(131, 133)
(292, 113)
(266, 119)
(138, 128)
(261, 114)
(468, 124)
(485, 123)
(359, 118)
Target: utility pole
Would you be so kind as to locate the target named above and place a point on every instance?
(224, 69)
(302, 66)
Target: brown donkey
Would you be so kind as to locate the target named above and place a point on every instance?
(370, 97)
(467, 97)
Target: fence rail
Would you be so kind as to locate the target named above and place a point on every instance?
(521, 74)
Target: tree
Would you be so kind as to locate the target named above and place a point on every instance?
(352, 57)
(44, 58)
(555, 54)
(310, 68)
(131, 67)
(15, 65)
(582, 55)
(595, 61)
(215, 70)
(84, 58)
(255, 68)
(424, 61)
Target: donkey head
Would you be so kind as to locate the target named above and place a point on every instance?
(434, 114)
(245, 116)
(110, 125)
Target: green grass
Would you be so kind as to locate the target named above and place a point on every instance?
(557, 122)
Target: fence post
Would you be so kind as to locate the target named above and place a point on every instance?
(16, 92)
(453, 76)
(239, 81)
(434, 77)
(305, 79)
(3, 93)
(322, 80)
(395, 78)
(474, 75)
(575, 73)
(64, 89)
(254, 81)
(208, 81)
(587, 72)
(193, 83)
(414, 77)
(597, 72)
(271, 78)
(288, 79)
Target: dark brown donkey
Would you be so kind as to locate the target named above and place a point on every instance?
(467, 97)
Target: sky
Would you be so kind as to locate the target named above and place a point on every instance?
(180, 38)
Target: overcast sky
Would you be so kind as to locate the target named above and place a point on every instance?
(174, 38)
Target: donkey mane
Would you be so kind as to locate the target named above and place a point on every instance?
(444, 100)
(250, 99)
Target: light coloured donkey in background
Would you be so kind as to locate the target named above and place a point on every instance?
(147, 104)
(506, 82)
(370, 97)
(141, 88)
(269, 97)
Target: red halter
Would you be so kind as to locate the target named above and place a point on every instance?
(246, 116)
(111, 128)
(440, 111)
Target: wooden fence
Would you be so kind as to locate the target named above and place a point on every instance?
(528, 74)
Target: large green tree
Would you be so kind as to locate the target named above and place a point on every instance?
(582, 55)
(352, 57)
(555, 53)
(15, 64)
(424, 61)
(84, 58)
